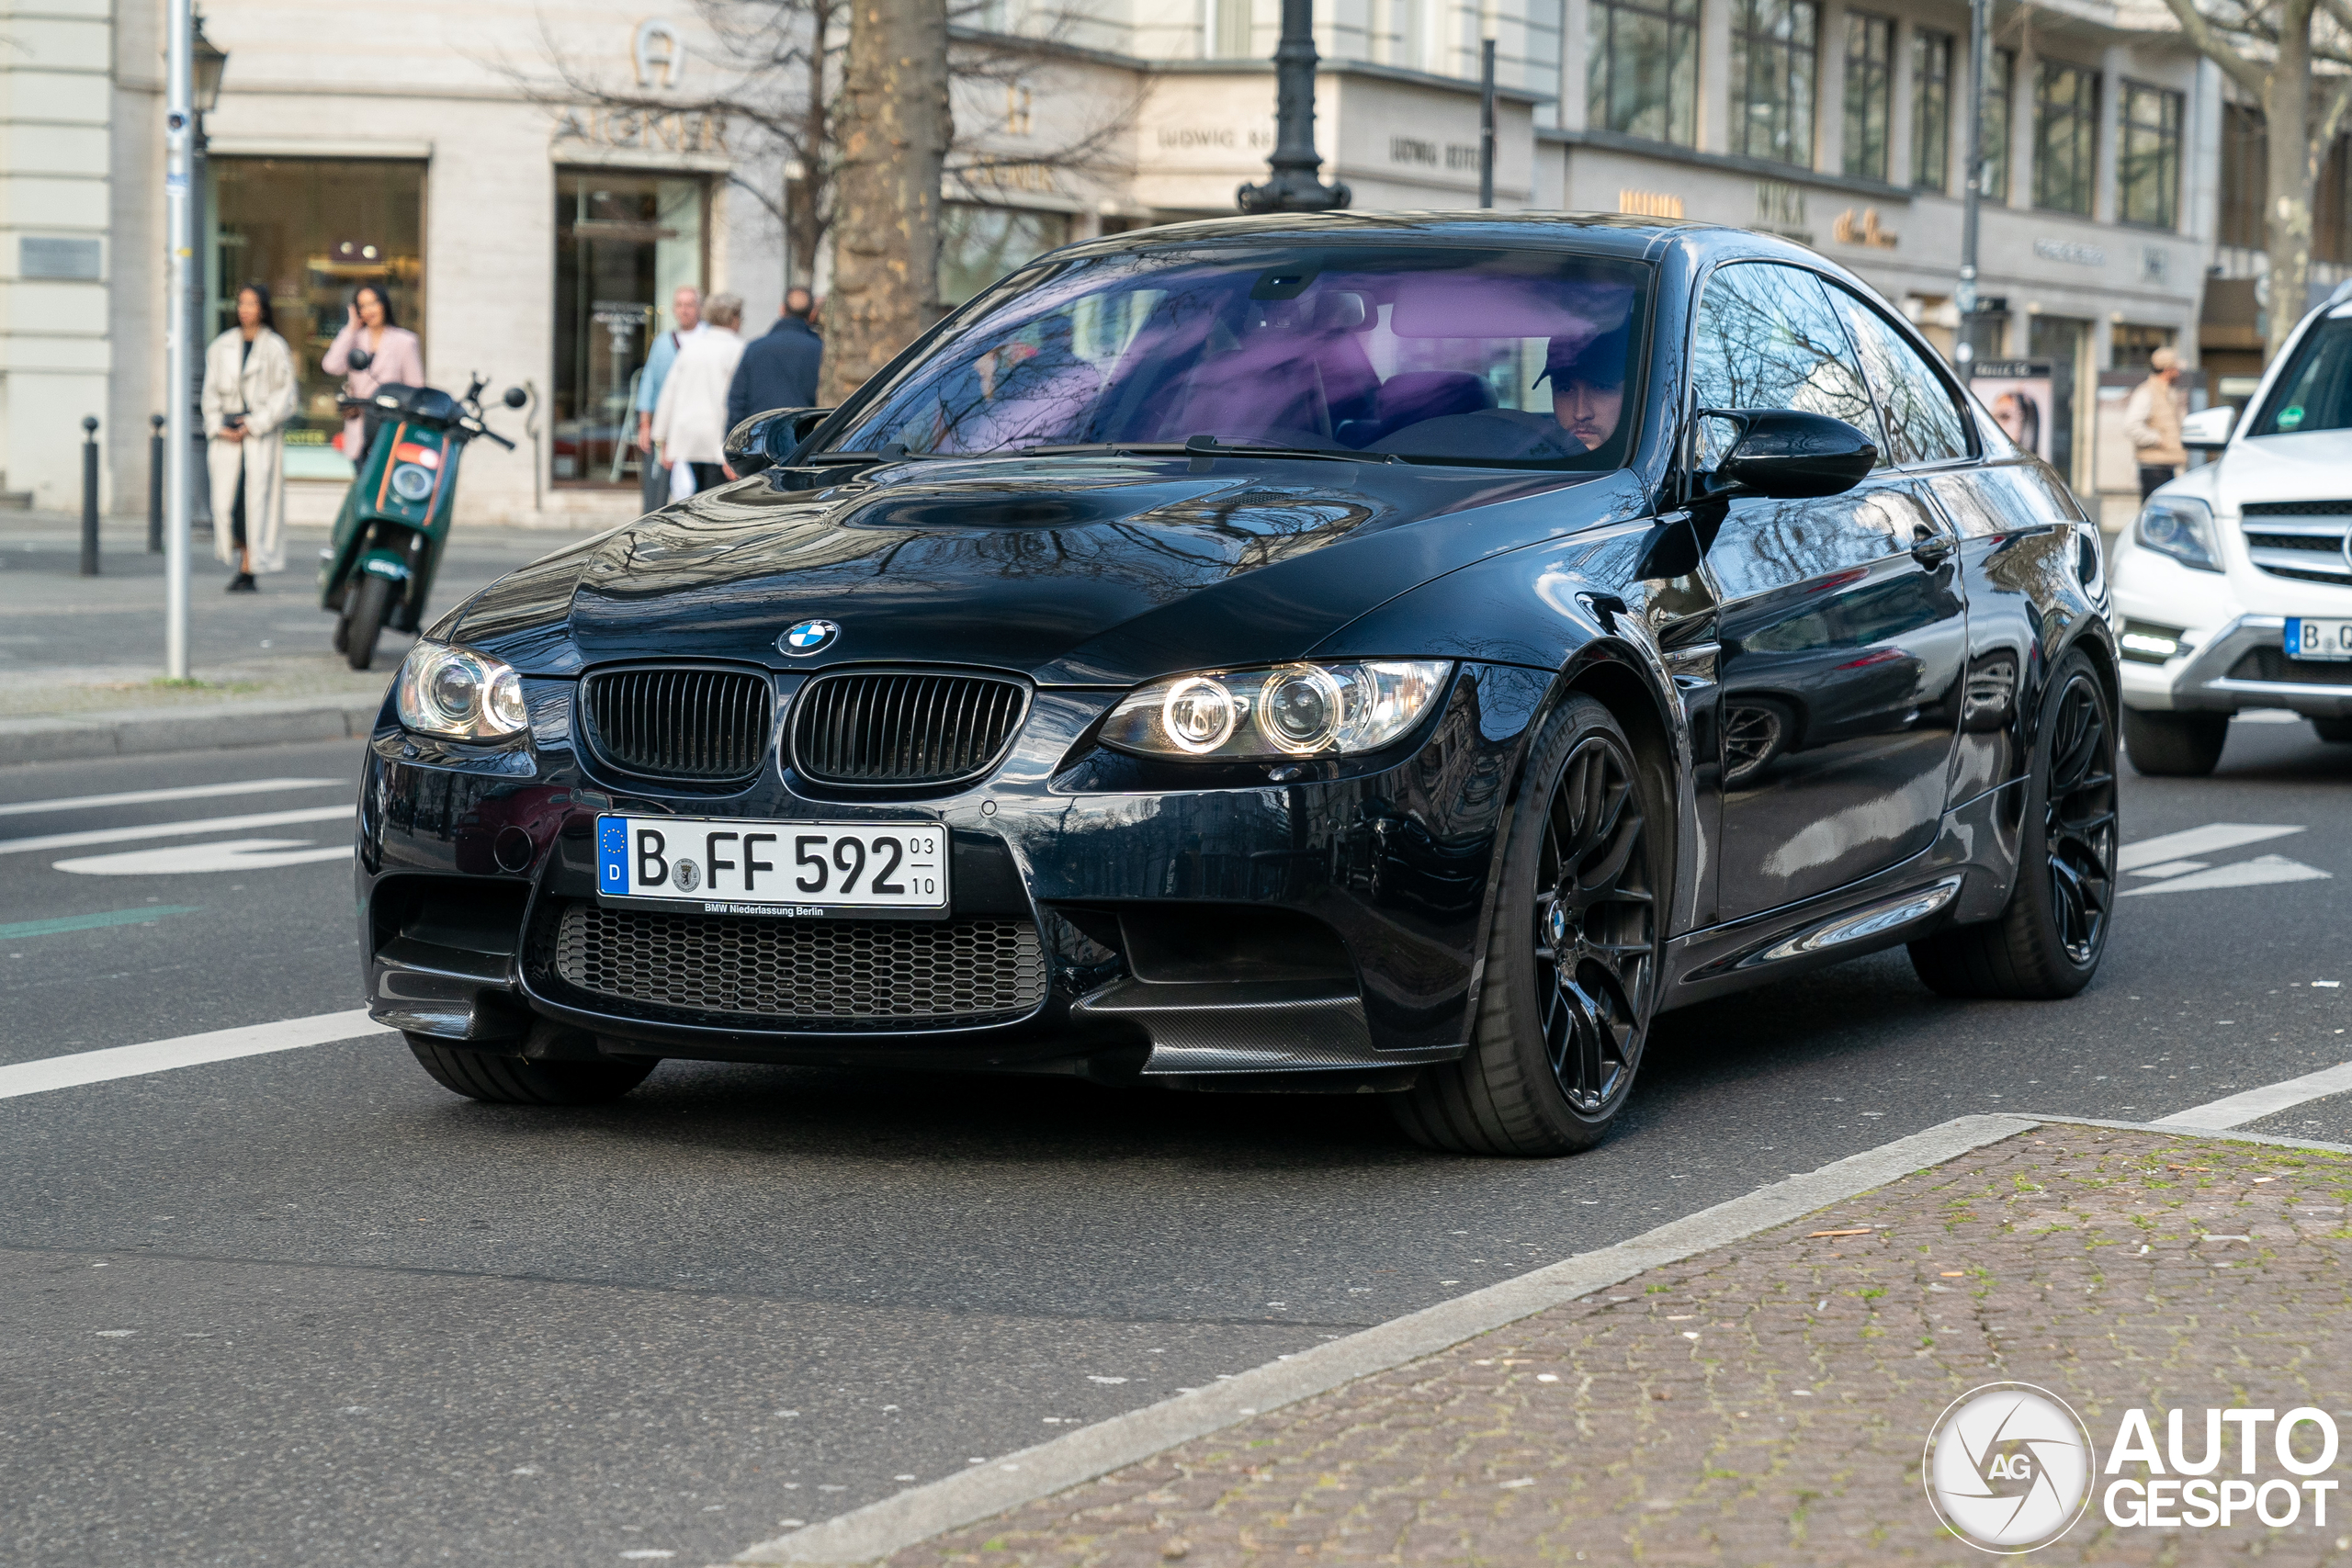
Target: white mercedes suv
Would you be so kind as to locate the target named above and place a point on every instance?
(2233, 589)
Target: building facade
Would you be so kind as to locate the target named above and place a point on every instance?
(455, 156)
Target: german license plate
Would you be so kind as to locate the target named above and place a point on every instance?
(2309, 639)
(730, 866)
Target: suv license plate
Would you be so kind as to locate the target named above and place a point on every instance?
(2307, 638)
(731, 866)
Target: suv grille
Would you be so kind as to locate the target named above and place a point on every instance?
(811, 974)
(903, 727)
(2272, 664)
(2302, 539)
(682, 724)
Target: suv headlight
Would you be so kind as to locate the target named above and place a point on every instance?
(2181, 527)
(458, 693)
(1289, 710)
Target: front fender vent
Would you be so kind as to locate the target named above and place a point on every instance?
(886, 729)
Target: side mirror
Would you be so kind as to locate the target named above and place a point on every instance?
(767, 439)
(359, 359)
(1790, 455)
(516, 398)
(2208, 430)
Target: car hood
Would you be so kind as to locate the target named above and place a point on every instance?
(2316, 467)
(1093, 571)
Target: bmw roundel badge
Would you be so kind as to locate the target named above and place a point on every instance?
(808, 637)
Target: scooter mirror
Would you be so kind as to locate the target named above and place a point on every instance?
(359, 359)
(516, 398)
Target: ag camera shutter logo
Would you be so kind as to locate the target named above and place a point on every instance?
(2008, 1467)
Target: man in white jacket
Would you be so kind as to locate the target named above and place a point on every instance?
(690, 419)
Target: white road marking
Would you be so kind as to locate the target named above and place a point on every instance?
(2259, 872)
(184, 792)
(2170, 868)
(2211, 839)
(229, 854)
(188, 1050)
(171, 830)
(2269, 1100)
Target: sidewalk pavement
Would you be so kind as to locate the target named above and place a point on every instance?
(82, 658)
(1767, 1401)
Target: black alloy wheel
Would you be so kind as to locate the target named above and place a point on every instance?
(1595, 928)
(2079, 820)
(1754, 732)
(1572, 959)
(2047, 942)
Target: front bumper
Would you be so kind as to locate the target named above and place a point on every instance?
(1325, 926)
(2239, 665)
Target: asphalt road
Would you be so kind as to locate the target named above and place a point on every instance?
(307, 1307)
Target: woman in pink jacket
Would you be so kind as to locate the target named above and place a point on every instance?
(397, 358)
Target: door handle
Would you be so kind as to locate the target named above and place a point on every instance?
(1928, 548)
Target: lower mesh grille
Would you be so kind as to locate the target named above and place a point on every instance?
(2272, 664)
(825, 974)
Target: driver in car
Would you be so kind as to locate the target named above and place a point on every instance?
(1588, 386)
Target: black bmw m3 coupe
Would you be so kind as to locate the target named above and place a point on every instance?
(1390, 652)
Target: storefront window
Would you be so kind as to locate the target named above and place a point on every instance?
(313, 231)
(1642, 71)
(2149, 174)
(1773, 48)
(623, 245)
(1869, 93)
(2066, 137)
(979, 244)
(2133, 345)
(2000, 70)
(1931, 109)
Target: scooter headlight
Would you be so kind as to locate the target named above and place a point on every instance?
(459, 693)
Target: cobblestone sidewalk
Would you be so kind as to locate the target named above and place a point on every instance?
(1769, 1401)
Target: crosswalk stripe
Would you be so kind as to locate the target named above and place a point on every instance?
(171, 830)
(2269, 1100)
(186, 1051)
(147, 796)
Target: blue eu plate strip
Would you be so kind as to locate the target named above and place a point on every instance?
(612, 854)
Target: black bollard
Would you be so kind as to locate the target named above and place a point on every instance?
(156, 486)
(90, 495)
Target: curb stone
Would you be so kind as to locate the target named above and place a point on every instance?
(874, 1532)
(135, 732)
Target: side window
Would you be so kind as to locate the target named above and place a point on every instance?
(1922, 424)
(1767, 339)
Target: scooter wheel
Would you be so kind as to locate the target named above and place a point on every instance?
(367, 607)
(342, 634)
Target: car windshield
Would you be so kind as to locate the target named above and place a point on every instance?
(2315, 392)
(1431, 356)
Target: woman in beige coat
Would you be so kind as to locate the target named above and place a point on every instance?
(250, 391)
(690, 418)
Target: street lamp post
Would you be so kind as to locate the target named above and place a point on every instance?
(182, 363)
(207, 64)
(1297, 185)
(1979, 30)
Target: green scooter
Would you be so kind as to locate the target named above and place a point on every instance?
(395, 517)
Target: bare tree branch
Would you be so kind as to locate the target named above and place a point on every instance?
(2217, 49)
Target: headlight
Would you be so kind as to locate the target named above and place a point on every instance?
(2181, 527)
(460, 694)
(1290, 710)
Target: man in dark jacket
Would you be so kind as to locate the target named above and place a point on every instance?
(778, 371)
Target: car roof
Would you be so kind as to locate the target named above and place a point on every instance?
(1610, 234)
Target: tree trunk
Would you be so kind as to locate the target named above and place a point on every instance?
(2287, 226)
(806, 209)
(893, 129)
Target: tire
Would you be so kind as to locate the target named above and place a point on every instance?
(2175, 744)
(369, 603)
(509, 1080)
(2335, 731)
(2048, 942)
(1553, 1053)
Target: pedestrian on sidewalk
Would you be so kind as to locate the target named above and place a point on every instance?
(779, 371)
(2151, 421)
(690, 418)
(686, 309)
(394, 358)
(250, 393)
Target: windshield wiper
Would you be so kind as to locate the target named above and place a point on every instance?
(1206, 447)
